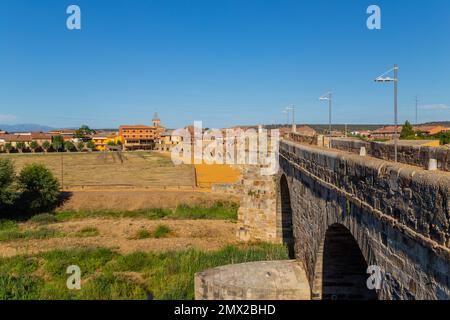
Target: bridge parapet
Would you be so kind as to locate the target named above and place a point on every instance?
(397, 214)
(415, 198)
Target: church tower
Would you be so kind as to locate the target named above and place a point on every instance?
(156, 121)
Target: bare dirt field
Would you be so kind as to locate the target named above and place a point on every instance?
(134, 200)
(119, 234)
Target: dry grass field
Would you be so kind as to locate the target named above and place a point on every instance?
(131, 169)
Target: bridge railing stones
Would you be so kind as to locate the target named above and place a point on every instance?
(414, 155)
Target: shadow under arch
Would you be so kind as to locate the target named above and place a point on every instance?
(344, 268)
(285, 219)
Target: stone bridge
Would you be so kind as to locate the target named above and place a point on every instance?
(340, 213)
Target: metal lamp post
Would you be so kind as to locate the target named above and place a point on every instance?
(383, 78)
(328, 97)
(292, 108)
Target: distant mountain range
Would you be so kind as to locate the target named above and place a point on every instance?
(25, 127)
(320, 127)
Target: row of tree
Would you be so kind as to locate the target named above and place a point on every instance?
(58, 144)
(33, 190)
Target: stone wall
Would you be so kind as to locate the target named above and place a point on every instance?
(257, 215)
(398, 216)
(308, 139)
(413, 155)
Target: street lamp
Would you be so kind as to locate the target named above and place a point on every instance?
(384, 79)
(292, 108)
(287, 115)
(328, 97)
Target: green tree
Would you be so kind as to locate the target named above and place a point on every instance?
(46, 145)
(80, 146)
(407, 131)
(58, 143)
(40, 189)
(69, 146)
(20, 146)
(83, 131)
(8, 147)
(7, 188)
(90, 145)
(34, 145)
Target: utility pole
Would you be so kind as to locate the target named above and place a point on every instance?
(62, 171)
(292, 108)
(329, 115)
(384, 79)
(396, 110)
(328, 97)
(417, 107)
(294, 127)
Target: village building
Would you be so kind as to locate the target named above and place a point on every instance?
(387, 132)
(24, 138)
(430, 130)
(141, 137)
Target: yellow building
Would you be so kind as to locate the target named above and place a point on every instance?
(101, 141)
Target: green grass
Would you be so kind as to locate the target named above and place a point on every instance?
(219, 210)
(44, 218)
(161, 231)
(142, 234)
(109, 275)
(42, 233)
(87, 232)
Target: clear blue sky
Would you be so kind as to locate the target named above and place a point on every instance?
(225, 62)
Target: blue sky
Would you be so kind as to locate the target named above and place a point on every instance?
(225, 62)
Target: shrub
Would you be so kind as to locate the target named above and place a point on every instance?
(142, 234)
(34, 146)
(23, 287)
(161, 231)
(407, 131)
(46, 145)
(90, 145)
(7, 189)
(44, 218)
(69, 146)
(21, 146)
(80, 146)
(9, 147)
(40, 189)
(58, 143)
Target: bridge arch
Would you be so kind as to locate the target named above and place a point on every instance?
(341, 268)
(285, 215)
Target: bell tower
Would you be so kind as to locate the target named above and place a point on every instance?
(156, 121)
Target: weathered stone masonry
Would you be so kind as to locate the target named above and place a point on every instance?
(398, 215)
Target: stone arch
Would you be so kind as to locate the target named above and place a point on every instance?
(285, 214)
(341, 269)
